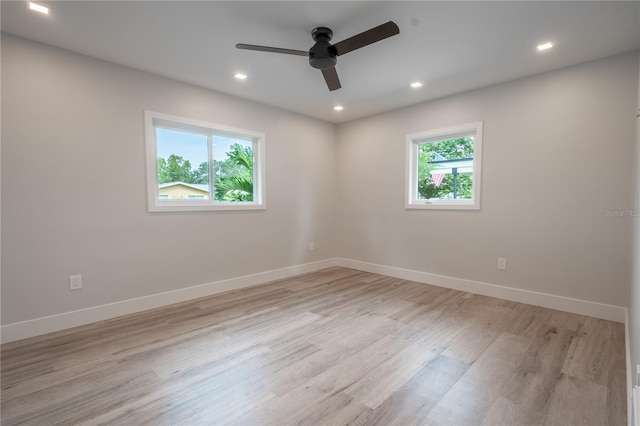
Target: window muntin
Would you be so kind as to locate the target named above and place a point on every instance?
(193, 165)
(443, 168)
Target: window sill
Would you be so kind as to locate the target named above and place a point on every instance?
(184, 207)
(443, 205)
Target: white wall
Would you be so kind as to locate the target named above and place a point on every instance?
(634, 299)
(558, 153)
(74, 191)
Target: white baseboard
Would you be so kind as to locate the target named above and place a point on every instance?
(627, 352)
(44, 325)
(567, 304)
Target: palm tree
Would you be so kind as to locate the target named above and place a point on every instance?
(239, 186)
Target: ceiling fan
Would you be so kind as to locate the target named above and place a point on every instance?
(323, 55)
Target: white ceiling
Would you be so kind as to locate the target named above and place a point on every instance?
(449, 46)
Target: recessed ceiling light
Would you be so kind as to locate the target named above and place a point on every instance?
(240, 76)
(338, 107)
(416, 84)
(39, 8)
(545, 46)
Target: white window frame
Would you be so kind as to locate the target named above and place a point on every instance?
(155, 204)
(412, 141)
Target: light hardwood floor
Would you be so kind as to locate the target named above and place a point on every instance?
(337, 346)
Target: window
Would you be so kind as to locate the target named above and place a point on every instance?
(194, 165)
(443, 168)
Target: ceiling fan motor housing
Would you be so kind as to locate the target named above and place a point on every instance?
(322, 55)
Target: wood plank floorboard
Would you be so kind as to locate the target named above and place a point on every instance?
(333, 347)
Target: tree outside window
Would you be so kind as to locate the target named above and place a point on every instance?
(453, 182)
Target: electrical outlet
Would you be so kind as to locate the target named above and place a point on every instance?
(75, 282)
(502, 263)
(312, 246)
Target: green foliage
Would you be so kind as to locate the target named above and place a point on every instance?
(177, 169)
(233, 176)
(452, 149)
(201, 174)
(225, 168)
(234, 188)
(427, 189)
(174, 169)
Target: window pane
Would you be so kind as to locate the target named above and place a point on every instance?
(445, 169)
(233, 169)
(193, 165)
(183, 165)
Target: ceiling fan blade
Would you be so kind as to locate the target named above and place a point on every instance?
(366, 38)
(331, 77)
(271, 49)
